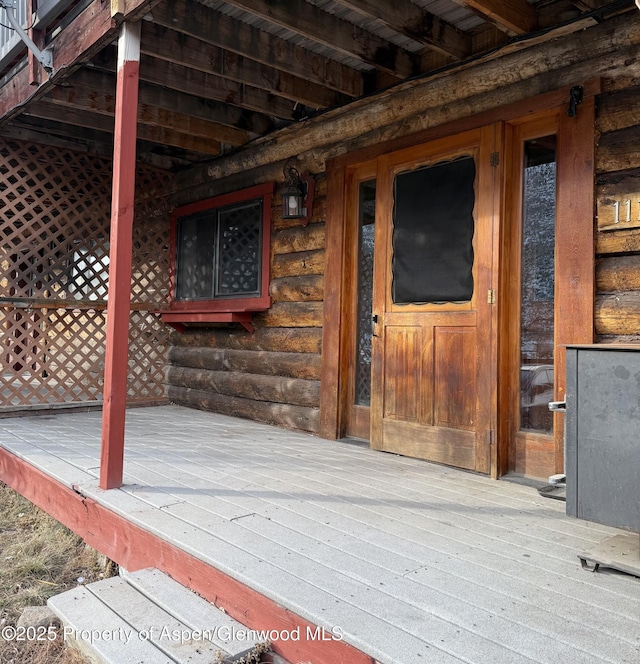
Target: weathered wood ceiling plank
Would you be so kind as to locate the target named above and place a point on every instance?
(324, 28)
(202, 84)
(173, 46)
(104, 83)
(64, 135)
(420, 25)
(85, 99)
(38, 130)
(101, 122)
(516, 17)
(197, 21)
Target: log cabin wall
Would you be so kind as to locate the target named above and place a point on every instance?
(618, 220)
(273, 375)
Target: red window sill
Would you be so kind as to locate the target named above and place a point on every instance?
(179, 321)
(180, 314)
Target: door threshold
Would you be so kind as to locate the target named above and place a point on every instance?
(360, 442)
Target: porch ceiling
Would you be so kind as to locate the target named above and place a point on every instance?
(217, 74)
(413, 561)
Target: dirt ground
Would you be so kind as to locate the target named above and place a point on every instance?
(38, 558)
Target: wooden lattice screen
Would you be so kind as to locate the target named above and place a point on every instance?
(54, 248)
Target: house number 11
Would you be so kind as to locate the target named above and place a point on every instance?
(626, 211)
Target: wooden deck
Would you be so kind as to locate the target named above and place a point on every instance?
(410, 562)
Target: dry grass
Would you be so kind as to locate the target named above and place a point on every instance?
(38, 558)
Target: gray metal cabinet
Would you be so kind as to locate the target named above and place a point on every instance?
(603, 434)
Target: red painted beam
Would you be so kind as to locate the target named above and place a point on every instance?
(135, 548)
(87, 34)
(120, 257)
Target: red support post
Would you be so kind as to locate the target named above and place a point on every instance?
(120, 258)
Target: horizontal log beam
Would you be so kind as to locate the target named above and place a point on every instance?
(289, 365)
(290, 340)
(282, 415)
(304, 288)
(618, 314)
(527, 68)
(70, 138)
(297, 264)
(233, 35)
(82, 139)
(291, 314)
(298, 238)
(620, 273)
(274, 389)
(619, 110)
(618, 242)
(618, 150)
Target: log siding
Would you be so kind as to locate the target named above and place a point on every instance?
(412, 113)
(273, 374)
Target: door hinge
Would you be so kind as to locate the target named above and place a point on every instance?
(492, 436)
(494, 160)
(491, 296)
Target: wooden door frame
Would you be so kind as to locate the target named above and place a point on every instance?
(575, 198)
(574, 270)
(354, 177)
(532, 445)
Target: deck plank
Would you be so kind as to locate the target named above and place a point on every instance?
(417, 562)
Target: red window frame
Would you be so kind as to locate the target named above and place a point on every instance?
(197, 311)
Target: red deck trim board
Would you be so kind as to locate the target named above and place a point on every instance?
(135, 548)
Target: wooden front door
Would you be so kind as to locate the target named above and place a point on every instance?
(462, 360)
(433, 387)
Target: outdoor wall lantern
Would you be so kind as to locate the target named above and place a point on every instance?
(297, 195)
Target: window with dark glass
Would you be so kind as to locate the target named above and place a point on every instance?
(433, 230)
(366, 233)
(537, 301)
(219, 252)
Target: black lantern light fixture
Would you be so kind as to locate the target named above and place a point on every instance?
(297, 195)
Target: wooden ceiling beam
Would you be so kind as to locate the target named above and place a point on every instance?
(37, 130)
(84, 99)
(213, 87)
(516, 17)
(91, 120)
(200, 22)
(62, 135)
(186, 104)
(173, 46)
(202, 84)
(420, 25)
(324, 28)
